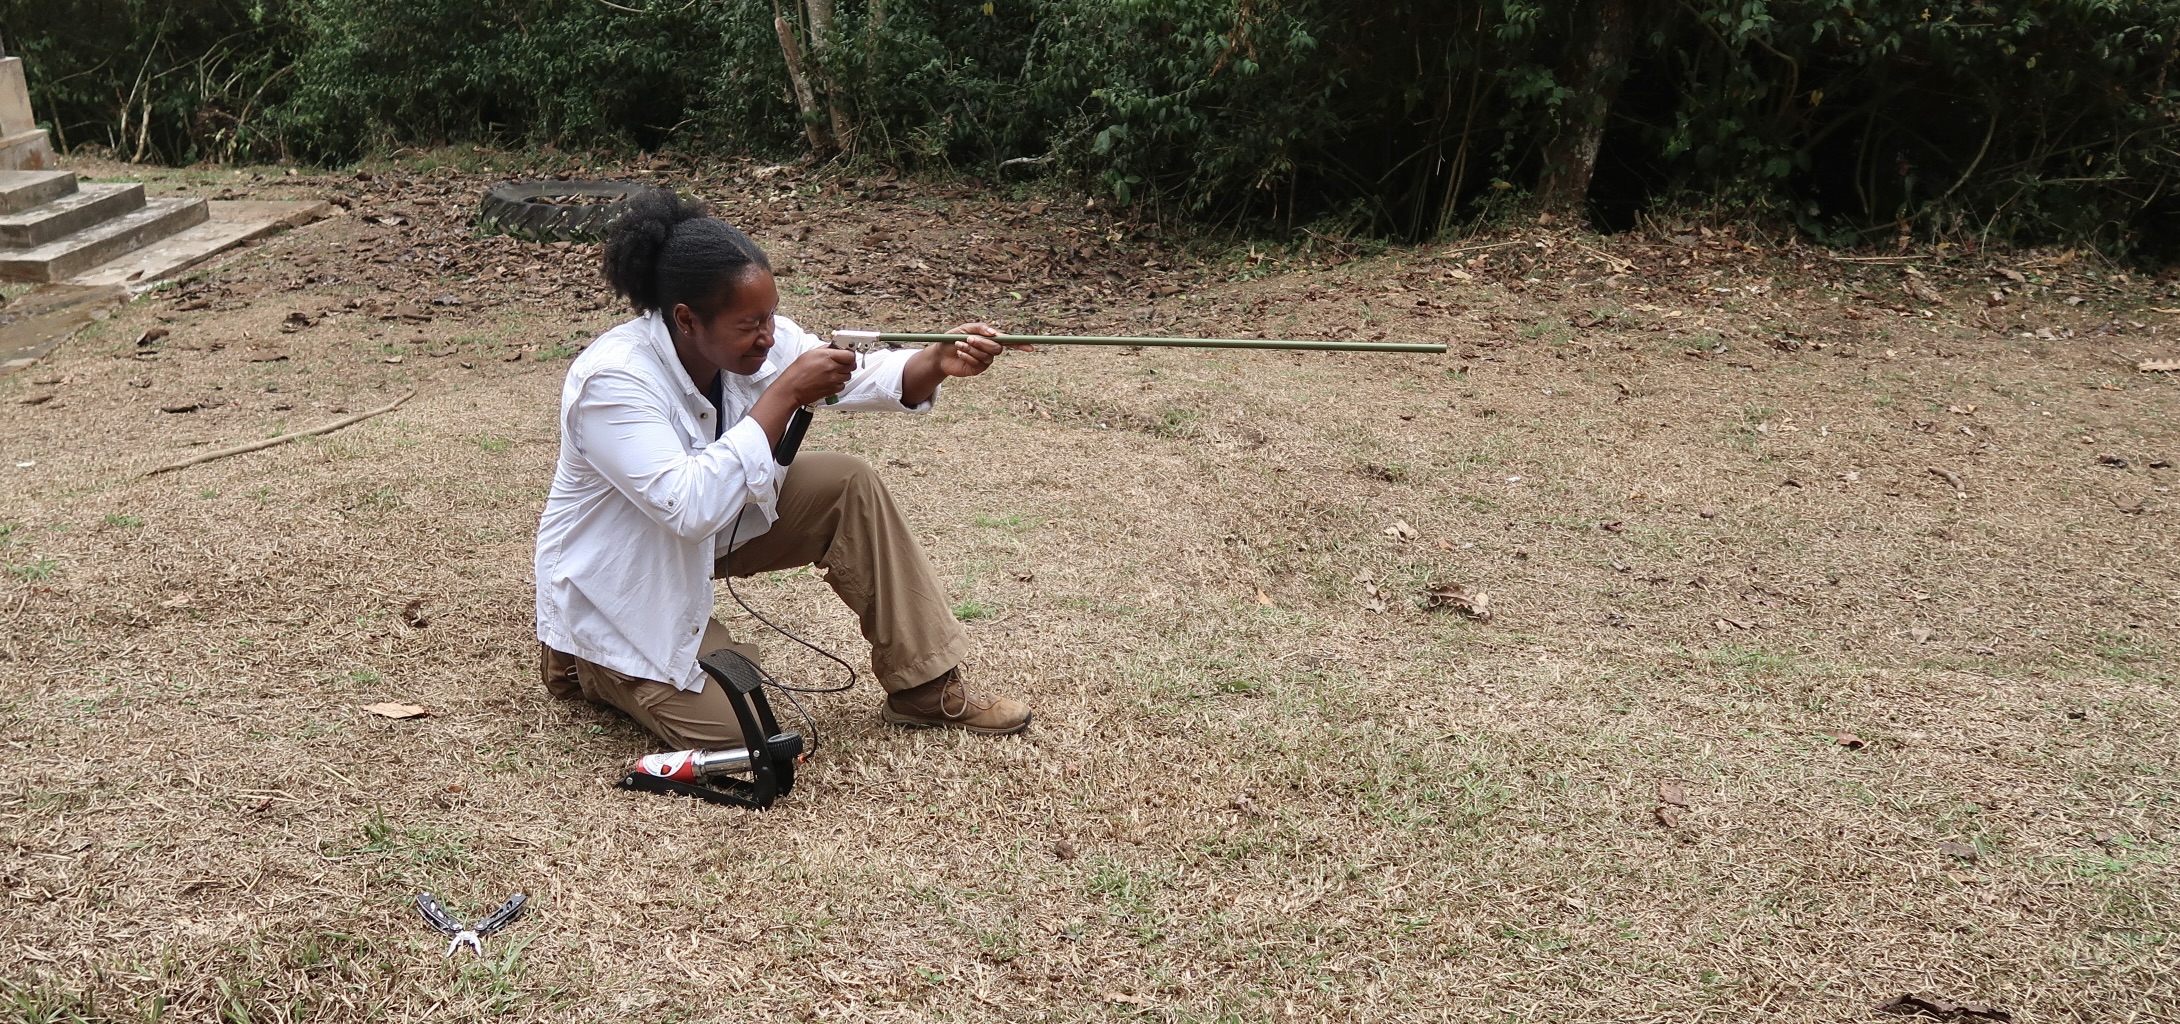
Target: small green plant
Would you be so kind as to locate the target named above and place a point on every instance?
(384, 499)
(970, 610)
(494, 445)
(123, 522)
(208, 493)
(42, 569)
(1176, 422)
(418, 845)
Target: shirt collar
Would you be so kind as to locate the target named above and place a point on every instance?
(662, 345)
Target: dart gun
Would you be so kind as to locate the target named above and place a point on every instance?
(868, 341)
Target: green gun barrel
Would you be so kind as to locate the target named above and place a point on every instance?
(897, 338)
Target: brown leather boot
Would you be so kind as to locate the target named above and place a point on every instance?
(947, 701)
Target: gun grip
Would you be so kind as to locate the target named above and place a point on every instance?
(791, 438)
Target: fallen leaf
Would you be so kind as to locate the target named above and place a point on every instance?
(1400, 530)
(150, 337)
(396, 711)
(182, 407)
(1849, 740)
(2114, 461)
(1264, 599)
(1958, 851)
(1473, 603)
(1246, 805)
(1667, 815)
(413, 614)
(1121, 997)
(1672, 793)
(181, 600)
(2158, 366)
(1064, 850)
(1944, 1009)
(1949, 477)
(1920, 634)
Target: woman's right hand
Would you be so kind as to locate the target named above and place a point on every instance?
(815, 375)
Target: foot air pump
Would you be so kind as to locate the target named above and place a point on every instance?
(750, 776)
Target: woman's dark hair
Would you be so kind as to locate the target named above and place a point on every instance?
(666, 250)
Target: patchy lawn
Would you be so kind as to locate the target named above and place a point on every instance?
(1830, 656)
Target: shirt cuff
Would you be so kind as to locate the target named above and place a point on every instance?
(885, 377)
(760, 475)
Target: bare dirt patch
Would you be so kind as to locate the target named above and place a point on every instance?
(1829, 655)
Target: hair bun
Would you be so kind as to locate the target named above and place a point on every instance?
(638, 241)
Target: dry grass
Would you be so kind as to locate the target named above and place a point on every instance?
(1296, 809)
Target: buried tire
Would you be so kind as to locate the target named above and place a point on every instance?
(555, 211)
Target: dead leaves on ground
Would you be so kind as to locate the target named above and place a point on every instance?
(1468, 601)
(396, 711)
(1927, 1005)
(1672, 803)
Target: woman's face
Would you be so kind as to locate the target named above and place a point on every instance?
(735, 338)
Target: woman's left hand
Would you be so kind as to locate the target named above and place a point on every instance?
(972, 355)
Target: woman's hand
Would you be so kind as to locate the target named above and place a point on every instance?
(965, 358)
(972, 355)
(810, 378)
(815, 375)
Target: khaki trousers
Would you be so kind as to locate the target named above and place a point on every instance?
(836, 514)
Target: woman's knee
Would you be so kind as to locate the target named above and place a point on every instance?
(834, 471)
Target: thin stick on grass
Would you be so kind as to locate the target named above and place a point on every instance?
(270, 441)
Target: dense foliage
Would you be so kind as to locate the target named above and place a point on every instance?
(1961, 119)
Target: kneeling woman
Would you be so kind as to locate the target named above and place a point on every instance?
(666, 480)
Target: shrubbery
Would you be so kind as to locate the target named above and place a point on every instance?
(1859, 120)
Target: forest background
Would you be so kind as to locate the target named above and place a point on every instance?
(1857, 121)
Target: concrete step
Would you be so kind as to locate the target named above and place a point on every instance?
(21, 190)
(91, 204)
(231, 223)
(69, 256)
(39, 320)
(25, 151)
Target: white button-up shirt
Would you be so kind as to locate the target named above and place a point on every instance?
(647, 487)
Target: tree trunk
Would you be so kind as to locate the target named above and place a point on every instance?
(1597, 66)
(805, 98)
(821, 41)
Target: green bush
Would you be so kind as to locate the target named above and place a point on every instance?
(1964, 119)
